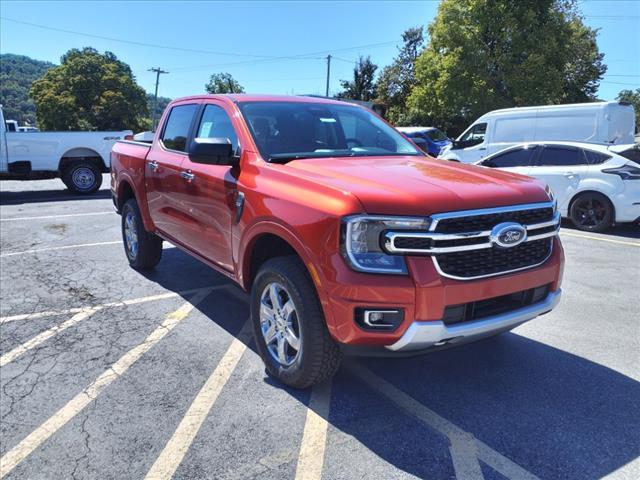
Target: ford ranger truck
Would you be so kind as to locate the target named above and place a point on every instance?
(348, 238)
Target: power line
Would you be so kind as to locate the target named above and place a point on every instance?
(133, 42)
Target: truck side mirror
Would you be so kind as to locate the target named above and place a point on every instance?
(211, 151)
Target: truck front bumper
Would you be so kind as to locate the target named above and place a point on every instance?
(424, 335)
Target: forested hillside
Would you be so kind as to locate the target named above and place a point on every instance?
(17, 73)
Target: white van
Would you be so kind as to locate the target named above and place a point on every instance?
(598, 122)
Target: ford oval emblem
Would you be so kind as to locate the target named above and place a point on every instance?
(508, 234)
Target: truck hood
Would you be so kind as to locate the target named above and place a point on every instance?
(412, 185)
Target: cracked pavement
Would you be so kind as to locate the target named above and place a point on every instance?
(557, 398)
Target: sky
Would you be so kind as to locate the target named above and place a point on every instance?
(269, 47)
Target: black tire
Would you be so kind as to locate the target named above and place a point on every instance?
(319, 356)
(591, 212)
(82, 177)
(148, 252)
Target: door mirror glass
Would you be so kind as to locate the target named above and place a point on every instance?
(211, 151)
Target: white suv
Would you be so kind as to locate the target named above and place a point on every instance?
(594, 186)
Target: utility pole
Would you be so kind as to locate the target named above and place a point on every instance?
(326, 94)
(158, 71)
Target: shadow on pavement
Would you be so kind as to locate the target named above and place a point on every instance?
(555, 414)
(41, 196)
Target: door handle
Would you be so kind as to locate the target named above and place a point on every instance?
(153, 165)
(188, 176)
(570, 174)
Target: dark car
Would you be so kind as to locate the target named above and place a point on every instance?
(430, 139)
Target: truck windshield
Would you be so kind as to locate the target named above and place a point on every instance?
(286, 131)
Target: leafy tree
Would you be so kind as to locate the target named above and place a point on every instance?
(363, 85)
(17, 73)
(89, 91)
(488, 54)
(223, 83)
(632, 97)
(396, 80)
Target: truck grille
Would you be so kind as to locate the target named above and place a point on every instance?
(491, 261)
(465, 245)
(488, 221)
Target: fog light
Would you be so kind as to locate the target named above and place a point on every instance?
(377, 319)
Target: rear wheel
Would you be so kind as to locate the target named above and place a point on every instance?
(143, 249)
(82, 176)
(591, 212)
(289, 326)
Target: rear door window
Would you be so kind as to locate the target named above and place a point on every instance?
(596, 158)
(560, 157)
(176, 130)
(519, 157)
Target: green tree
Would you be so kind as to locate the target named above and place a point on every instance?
(223, 83)
(89, 91)
(396, 80)
(17, 73)
(363, 85)
(488, 54)
(632, 97)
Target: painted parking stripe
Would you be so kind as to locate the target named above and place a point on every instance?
(41, 434)
(66, 247)
(314, 437)
(173, 453)
(600, 239)
(466, 450)
(165, 246)
(46, 335)
(132, 301)
(66, 215)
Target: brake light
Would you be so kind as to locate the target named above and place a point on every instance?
(626, 172)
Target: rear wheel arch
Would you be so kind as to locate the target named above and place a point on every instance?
(125, 192)
(582, 192)
(82, 153)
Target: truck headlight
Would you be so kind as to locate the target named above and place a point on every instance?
(361, 242)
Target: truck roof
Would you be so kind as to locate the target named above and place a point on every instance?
(250, 97)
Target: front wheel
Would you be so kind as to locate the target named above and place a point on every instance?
(591, 212)
(82, 177)
(289, 326)
(143, 249)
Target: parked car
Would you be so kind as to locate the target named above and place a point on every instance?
(434, 139)
(605, 123)
(348, 237)
(593, 185)
(78, 158)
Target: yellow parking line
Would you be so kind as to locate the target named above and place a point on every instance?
(174, 451)
(66, 247)
(600, 239)
(132, 301)
(36, 438)
(466, 450)
(46, 335)
(45, 217)
(314, 437)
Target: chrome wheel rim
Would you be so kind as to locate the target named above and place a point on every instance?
(279, 324)
(131, 234)
(83, 178)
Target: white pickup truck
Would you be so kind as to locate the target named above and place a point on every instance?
(78, 158)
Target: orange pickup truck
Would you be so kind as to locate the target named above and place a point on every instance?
(348, 237)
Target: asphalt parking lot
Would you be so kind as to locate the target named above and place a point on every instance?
(106, 373)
